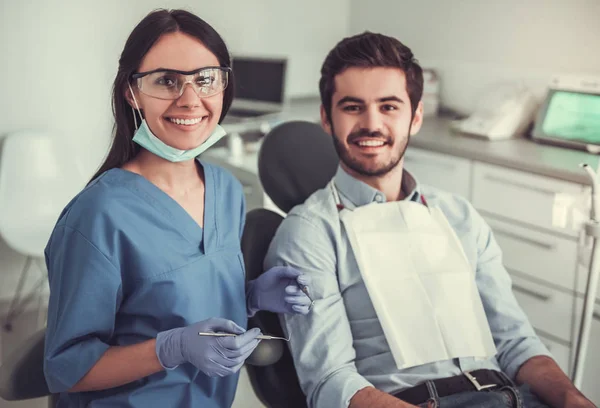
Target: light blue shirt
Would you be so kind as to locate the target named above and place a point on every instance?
(339, 348)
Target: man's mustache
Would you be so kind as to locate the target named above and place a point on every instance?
(352, 137)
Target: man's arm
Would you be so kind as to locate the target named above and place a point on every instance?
(321, 342)
(550, 384)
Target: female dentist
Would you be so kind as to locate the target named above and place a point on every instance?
(148, 254)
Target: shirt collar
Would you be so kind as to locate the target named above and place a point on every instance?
(360, 193)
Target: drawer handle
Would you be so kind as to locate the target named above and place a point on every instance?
(530, 292)
(521, 185)
(597, 316)
(408, 159)
(531, 241)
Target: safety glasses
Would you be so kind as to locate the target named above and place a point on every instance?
(170, 83)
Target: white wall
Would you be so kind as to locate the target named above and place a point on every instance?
(475, 44)
(59, 58)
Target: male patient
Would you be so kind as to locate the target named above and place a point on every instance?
(412, 303)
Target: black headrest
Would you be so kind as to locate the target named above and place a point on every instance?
(296, 159)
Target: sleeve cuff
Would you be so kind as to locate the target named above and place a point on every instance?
(338, 390)
(533, 349)
(65, 370)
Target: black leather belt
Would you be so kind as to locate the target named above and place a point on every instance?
(477, 380)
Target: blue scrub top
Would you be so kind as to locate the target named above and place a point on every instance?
(125, 261)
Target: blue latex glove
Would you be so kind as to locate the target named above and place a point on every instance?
(215, 356)
(277, 291)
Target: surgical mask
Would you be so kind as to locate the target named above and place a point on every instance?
(144, 137)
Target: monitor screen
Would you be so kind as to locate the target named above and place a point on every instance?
(573, 115)
(259, 79)
(569, 118)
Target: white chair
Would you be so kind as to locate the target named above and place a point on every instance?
(38, 177)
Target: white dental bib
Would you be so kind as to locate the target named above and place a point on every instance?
(419, 280)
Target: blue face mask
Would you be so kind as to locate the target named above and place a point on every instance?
(145, 138)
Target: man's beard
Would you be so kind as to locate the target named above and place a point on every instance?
(364, 167)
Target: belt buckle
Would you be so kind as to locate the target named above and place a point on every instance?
(476, 384)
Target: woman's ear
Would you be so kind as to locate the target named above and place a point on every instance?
(128, 97)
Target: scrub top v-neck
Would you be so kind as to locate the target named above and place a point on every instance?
(126, 261)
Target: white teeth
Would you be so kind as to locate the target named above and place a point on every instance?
(371, 143)
(187, 122)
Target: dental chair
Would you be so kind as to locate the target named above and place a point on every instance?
(296, 159)
(22, 373)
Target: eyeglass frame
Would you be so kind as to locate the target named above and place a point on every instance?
(140, 75)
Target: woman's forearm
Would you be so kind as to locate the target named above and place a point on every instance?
(120, 365)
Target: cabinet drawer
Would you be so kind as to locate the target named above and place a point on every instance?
(548, 310)
(448, 173)
(520, 196)
(540, 255)
(560, 352)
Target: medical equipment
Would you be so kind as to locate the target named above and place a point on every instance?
(570, 115)
(169, 84)
(259, 85)
(261, 336)
(505, 112)
(304, 290)
(264, 292)
(592, 229)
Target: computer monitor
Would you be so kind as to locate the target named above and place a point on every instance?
(570, 116)
(259, 85)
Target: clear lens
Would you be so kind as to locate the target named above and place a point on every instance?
(169, 85)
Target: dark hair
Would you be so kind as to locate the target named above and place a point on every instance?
(141, 39)
(369, 50)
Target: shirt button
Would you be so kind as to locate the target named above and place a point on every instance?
(379, 198)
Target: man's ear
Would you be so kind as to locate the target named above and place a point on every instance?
(417, 119)
(325, 121)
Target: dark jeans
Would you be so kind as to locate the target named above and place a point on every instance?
(505, 397)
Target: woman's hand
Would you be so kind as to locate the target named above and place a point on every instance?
(278, 290)
(215, 356)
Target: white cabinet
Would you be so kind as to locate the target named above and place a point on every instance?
(539, 255)
(549, 310)
(448, 173)
(543, 259)
(524, 197)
